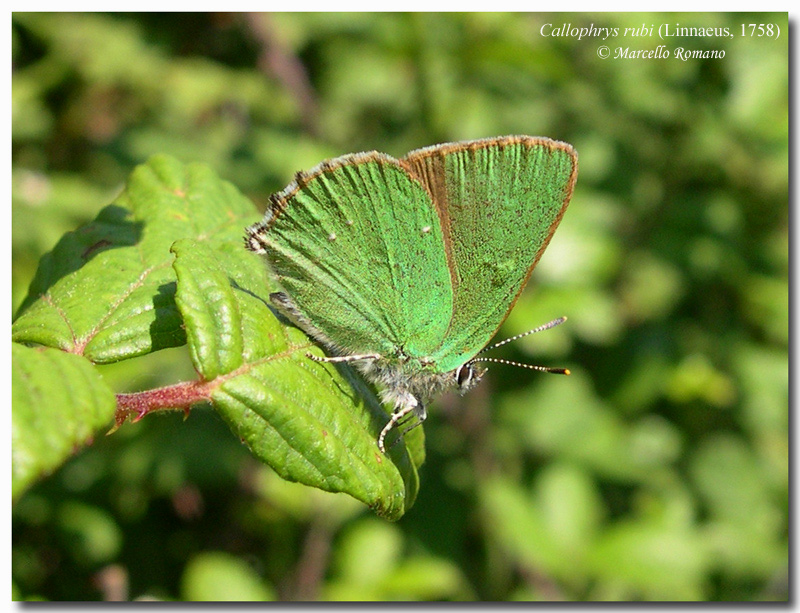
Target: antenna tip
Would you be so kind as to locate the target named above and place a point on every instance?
(567, 372)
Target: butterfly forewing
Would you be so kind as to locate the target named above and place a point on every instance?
(499, 200)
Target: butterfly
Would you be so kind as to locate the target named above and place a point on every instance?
(407, 267)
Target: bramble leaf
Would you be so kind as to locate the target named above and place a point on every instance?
(59, 402)
(106, 291)
(114, 289)
(312, 422)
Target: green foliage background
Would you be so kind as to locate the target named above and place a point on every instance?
(659, 470)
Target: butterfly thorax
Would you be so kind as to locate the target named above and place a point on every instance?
(403, 377)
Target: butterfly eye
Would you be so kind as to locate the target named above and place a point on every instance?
(464, 375)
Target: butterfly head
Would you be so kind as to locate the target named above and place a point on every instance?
(467, 376)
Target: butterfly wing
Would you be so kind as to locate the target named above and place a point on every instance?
(499, 200)
(357, 245)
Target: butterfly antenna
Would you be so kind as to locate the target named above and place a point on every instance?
(555, 371)
(547, 326)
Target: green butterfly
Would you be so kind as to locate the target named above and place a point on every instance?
(407, 267)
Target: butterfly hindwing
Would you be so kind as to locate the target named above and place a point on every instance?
(357, 244)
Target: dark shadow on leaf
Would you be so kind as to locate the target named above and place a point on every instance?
(235, 285)
(167, 329)
(112, 228)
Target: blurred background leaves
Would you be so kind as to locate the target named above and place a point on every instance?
(659, 470)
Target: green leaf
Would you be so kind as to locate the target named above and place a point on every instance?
(215, 576)
(521, 527)
(93, 534)
(59, 400)
(426, 577)
(646, 558)
(369, 564)
(367, 551)
(106, 291)
(313, 423)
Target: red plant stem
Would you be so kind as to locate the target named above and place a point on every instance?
(178, 397)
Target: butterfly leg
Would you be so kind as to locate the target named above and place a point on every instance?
(417, 419)
(411, 407)
(343, 358)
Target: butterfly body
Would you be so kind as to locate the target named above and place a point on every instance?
(407, 267)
